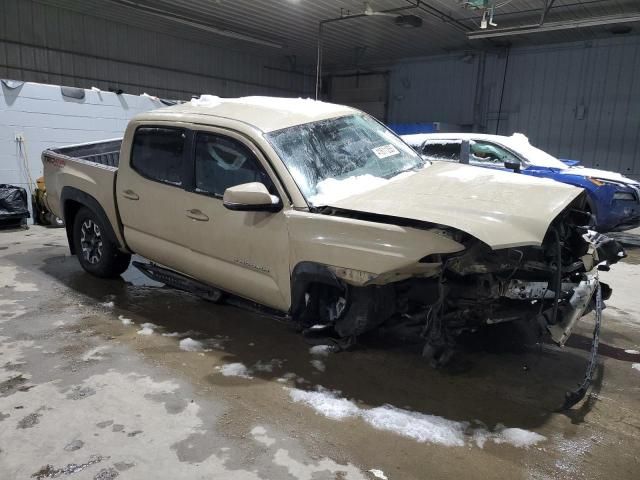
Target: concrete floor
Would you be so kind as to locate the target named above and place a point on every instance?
(84, 394)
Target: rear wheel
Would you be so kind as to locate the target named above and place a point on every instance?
(97, 252)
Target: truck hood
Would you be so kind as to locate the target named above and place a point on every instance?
(500, 208)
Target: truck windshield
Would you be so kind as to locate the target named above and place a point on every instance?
(336, 158)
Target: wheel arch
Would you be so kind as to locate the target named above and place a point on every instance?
(305, 274)
(72, 200)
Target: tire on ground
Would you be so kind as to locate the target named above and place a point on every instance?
(105, 260)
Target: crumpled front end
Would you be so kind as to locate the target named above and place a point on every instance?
(552, 284)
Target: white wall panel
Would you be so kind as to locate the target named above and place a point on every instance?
(48, 119)
(47, 44)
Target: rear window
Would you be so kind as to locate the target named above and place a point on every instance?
(448, 150)
(158, 153)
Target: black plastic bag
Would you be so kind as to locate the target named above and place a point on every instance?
(13, 203)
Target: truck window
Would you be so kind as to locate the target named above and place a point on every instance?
(222, 162)
(158, 153)
(448, 150)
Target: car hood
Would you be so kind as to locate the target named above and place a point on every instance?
(595, 173)
(500, 208)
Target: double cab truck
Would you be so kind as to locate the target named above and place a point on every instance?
(320, 213)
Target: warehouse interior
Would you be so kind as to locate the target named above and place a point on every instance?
(446, 70)
(136, 377)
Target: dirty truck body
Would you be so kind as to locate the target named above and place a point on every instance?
(317, 211)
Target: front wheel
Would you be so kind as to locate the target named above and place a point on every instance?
(97, 252)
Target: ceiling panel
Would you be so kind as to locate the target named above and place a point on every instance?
(292, 25)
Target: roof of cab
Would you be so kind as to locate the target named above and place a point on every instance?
(264, 113)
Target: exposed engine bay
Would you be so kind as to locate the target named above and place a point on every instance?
(553, 284)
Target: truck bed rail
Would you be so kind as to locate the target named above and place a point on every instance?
(106, 153)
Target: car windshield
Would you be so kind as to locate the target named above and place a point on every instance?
(336, 158)
(532, 155)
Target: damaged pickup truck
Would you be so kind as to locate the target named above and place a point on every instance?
(319, 212)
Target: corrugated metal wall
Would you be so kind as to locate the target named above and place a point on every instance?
(578, 101)
(45, 44)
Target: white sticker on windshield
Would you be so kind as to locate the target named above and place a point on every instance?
(385, 151)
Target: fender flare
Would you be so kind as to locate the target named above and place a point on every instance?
(71, 194)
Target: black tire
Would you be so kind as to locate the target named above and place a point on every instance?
(96, 250)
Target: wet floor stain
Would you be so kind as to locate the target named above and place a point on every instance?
(123, 466)
(106, 474)
(584, 343)
(49, 471)
(12, 385)
(29, 421)
(78, 393)
(73, 446)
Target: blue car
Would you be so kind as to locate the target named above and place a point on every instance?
(613, 200)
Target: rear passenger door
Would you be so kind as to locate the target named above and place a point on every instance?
(150, 195)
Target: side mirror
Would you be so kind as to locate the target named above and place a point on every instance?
(515, 166)
(251, 197)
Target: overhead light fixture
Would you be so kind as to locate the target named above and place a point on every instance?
(620, 29)
(555, 26)
(200, 26)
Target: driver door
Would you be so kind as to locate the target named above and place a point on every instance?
(242, 252)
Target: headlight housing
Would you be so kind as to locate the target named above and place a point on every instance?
(628, 196)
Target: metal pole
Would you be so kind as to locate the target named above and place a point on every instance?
(319, 62)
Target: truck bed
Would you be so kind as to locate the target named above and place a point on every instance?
(87, 168)
(106, 152)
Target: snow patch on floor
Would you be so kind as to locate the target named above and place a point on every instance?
(378, 474)
(147, 329)
(125, 320)
(418, 426)
(318, 365)
(107, 304)
(190, 345)
(632, 352)
(325, 402)
(415, 425)
(321, 350)
(636, 366)
(235, 370)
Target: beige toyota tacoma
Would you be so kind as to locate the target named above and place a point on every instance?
(318, 212)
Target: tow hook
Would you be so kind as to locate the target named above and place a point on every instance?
(575, 396)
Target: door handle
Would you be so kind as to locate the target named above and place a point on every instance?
(131, 195)
(196, 214)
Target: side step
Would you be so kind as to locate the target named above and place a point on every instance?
(179, 281)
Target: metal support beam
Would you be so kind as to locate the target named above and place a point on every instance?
(342, 18)
(553, 26)
(545, 10)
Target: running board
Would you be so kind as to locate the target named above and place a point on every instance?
(179, 281)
